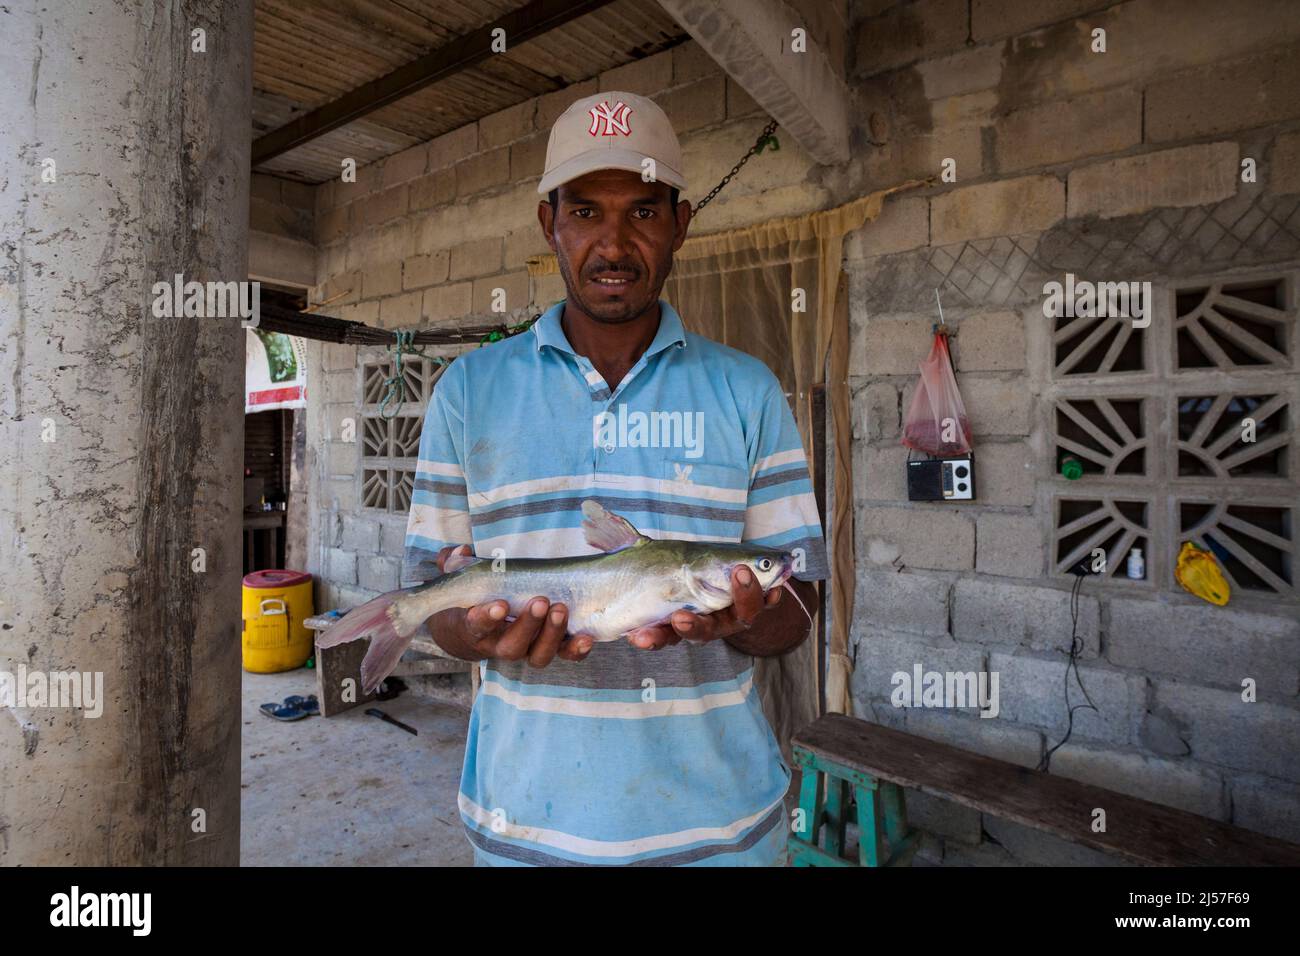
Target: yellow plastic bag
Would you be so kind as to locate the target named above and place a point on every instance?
(1198, 572)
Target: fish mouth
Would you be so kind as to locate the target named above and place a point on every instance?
(787, 571)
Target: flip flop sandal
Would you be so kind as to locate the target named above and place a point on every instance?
(282, 712)
(309, 705)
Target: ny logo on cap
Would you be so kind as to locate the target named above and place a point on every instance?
(609, 121)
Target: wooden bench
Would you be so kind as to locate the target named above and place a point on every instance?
(878, 763)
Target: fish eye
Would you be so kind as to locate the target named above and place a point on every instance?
(764, 564)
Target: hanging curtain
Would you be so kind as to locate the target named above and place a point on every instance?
(773, 290)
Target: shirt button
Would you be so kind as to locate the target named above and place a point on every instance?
(609, 449)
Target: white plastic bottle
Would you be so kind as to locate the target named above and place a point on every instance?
(1137, 569)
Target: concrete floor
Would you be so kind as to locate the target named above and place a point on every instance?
(351, 790)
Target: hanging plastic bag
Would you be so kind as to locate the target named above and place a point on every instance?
(1198, 572)
(936, 421)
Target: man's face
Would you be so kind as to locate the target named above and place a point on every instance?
(614, 237)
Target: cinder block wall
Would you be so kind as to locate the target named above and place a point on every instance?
(1117, 166)
(282, 231)
(281, 207)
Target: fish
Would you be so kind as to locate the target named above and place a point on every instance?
(633, 581)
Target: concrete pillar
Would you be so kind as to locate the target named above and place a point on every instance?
(121, 432)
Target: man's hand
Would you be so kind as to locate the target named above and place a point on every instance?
(754, 624)
(476, 633)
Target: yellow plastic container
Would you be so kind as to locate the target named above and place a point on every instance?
(276, 603)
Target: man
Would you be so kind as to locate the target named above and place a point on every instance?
(651, 750)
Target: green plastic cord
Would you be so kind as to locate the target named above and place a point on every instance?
(395, 386)
(496, 335)
(404, 344)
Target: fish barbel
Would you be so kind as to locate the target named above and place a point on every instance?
(635, 582)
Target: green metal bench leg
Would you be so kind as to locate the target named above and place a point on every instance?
(895, 813)
(881, 812)
(837, 805)
(810, 802)
(903, 840)
(870, 827)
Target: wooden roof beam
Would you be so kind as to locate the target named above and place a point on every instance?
(529, 21)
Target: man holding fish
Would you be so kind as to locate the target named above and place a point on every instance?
(617, 722)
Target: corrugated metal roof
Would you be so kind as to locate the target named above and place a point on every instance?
(307, 53)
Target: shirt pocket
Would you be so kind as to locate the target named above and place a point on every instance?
(713, 494)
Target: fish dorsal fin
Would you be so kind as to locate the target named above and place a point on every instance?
(606, 531)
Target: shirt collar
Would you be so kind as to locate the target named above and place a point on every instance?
(549, 331)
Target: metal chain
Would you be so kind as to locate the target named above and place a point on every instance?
(765, 138)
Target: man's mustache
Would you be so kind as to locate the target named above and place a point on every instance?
(626, 269)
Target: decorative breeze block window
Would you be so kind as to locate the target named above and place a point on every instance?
(1241, 325)
(1186, 431)
(390, 447)
(1210, 435)
(1087, 346)
(1108, 433)
(1255, 544)
(1114, 526)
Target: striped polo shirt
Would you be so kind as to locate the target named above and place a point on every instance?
(629, 757)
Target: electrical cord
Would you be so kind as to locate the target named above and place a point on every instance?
(1076, 647)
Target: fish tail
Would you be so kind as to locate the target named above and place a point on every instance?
(389, 636)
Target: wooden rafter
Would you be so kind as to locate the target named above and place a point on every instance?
(529, 21)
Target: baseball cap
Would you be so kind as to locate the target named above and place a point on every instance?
(612, 130)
